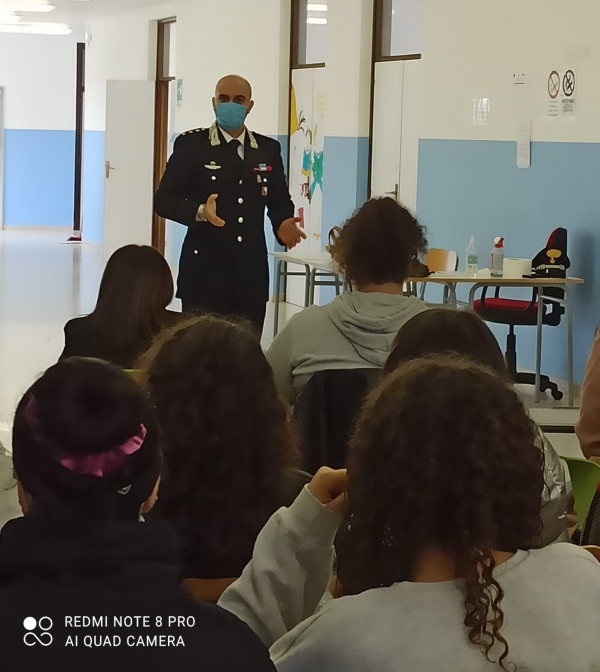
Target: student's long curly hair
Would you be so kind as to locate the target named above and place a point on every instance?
(227, 440)
(445, 457)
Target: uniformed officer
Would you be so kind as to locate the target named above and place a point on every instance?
(229, 170)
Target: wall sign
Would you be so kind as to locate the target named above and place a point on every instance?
(562, 95)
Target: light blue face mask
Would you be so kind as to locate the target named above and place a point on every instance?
(230, 116)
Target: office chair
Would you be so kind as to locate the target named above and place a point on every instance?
(551, 262)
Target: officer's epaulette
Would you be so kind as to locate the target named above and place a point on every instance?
(194, 130)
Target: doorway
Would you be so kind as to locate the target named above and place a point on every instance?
(166, 94)
(395, 116)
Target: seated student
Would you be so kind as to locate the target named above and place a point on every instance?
(136, 288)
(464, 333)
(588, 428)
(229, 447)
(87, 459)
(9, 501)
(435, 562)
(374, 250)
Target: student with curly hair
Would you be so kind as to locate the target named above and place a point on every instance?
(374, 250)
(87, 458)
(229, 448)
(436, 567)
(464, 333)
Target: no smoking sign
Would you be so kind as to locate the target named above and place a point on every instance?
(561, 94)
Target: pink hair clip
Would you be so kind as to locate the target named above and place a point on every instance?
(105, 463)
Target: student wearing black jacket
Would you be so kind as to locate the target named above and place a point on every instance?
(84, 585)
(136, 288)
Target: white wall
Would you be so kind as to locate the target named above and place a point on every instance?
(209, 45)
(472, 49)
(120, 48)
(38, 73)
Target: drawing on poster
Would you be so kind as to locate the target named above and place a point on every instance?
(312, 157)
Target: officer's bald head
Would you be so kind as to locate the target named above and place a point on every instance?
(233, 89)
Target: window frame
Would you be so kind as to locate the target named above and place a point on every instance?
(378, 56)
(296, 33)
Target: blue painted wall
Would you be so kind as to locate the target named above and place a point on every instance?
(39, 170)
(470, 188)
(93, 186)
(345, 172)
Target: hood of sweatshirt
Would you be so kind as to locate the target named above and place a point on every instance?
(370, 321)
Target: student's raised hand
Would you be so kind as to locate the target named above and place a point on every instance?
(328, 486)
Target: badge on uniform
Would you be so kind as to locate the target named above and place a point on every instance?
(263, 168)
(212, 166)
(265, 191)
(259, 179)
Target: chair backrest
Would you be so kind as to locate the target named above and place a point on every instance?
(441, 261)
(594, 550)
(207, 590)
(326, 411)
(585, 477)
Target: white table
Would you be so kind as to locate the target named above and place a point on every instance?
(315, 268)
(324, 266)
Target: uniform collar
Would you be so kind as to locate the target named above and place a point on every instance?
(215, 139)
(229, 138)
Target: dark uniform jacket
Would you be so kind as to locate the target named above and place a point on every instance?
(219, 265)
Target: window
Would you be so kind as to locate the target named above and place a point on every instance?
(309, 33)
(398, 29)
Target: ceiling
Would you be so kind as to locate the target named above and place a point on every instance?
(76, 12)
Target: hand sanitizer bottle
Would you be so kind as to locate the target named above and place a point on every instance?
(497, 266)
(472, 258)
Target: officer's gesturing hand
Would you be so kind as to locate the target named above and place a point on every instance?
(290, 234)
(210, 212)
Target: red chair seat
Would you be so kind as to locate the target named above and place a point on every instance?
(508, 311)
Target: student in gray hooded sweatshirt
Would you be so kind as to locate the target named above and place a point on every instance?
(436, 562)
(374, 250)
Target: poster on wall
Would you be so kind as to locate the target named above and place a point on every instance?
(562, 94)
(307, 114)
(306, 155)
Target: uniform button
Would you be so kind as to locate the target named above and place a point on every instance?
(214, 177)
(265, 179)
(241, 181)
(240, 239)
(241, 220)
(195, 251)
(240, 200)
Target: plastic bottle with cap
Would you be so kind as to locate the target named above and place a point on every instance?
(497, 264)
(472, 258)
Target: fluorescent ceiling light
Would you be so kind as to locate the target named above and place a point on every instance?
(316, 21)
(37, 28)
(37, 7)
(316, 7)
